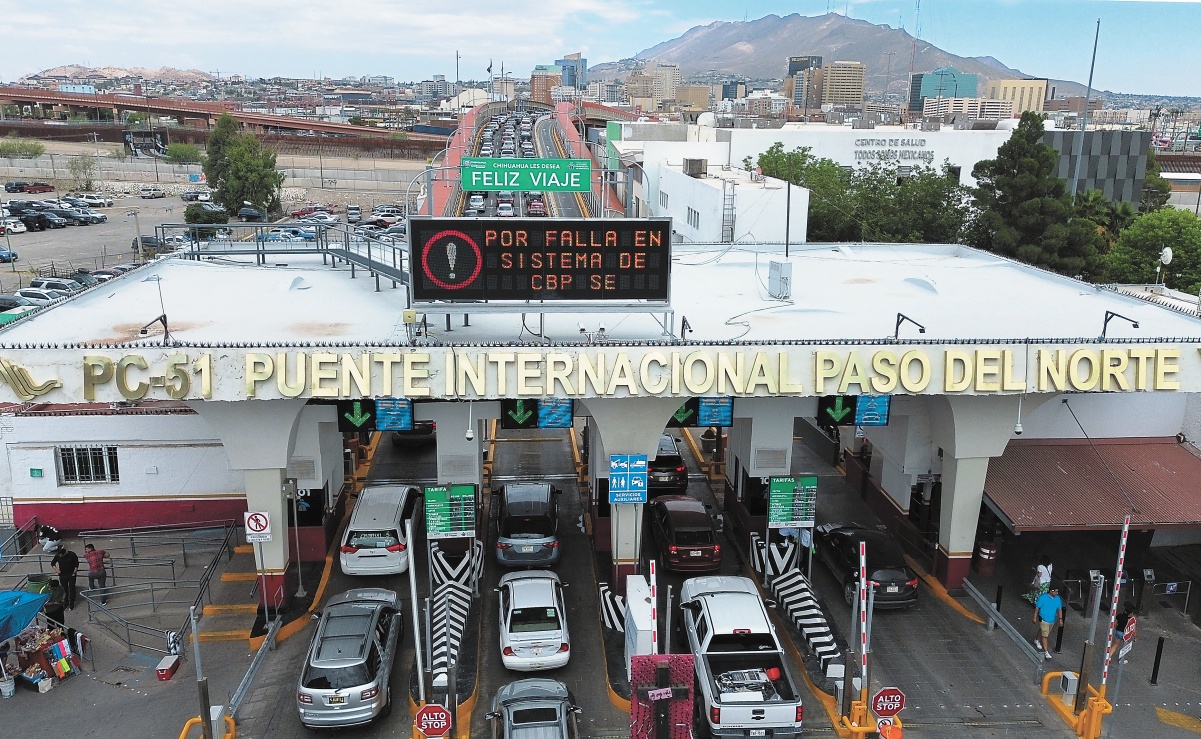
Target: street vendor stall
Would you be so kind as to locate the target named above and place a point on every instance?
(32, 653)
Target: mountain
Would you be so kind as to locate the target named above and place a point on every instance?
(759, 49)
(79, 72)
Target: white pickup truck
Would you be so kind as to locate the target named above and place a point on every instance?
(744, 687)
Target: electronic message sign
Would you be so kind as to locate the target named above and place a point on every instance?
(499, 259)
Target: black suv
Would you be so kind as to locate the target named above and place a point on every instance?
(15, 186)
(150, 243)
(667, 473)
(251, 214)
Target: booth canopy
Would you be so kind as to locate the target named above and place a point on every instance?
(17, 610)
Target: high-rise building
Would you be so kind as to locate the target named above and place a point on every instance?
(915, 92)
(843, 84)
(667, 78)
(1026, 95)
(944, 82)
(640, 85)
(979, 108)
(693, 97)
(733, 90)
(807, 90)
(543, 79)
(575, 70)
(801, 63)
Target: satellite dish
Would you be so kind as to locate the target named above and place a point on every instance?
(1165, 256)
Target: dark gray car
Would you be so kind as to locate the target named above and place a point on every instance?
(535, 708)
(347, 674)
(527, 525)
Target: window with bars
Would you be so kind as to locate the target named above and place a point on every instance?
(87, 464)
(694, 218)
(663, 199)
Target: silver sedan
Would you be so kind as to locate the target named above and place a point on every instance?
(533, 621)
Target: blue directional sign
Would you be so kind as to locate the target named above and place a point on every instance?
(554, 413)
(393, 414)
(715, 412)
(872, 410)
(627, 478)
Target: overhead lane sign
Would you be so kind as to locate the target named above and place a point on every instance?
(543, 175)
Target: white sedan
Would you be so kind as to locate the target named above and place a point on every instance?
(320, 217)
(39, 296)
(14, 226)
(533, 621)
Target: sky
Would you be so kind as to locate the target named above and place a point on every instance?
(1146, 46)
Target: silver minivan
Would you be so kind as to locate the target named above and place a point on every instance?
(346, 679)
(374, 542)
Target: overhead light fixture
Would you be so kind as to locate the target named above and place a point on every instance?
(1109, 316)
(167, 340)
(901, 318)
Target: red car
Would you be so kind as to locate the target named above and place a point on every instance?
(309, 209)
(535, 208)
(39, 187)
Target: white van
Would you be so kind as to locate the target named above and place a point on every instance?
(374, 542)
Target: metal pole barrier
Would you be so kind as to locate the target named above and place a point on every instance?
(997, 604)
(416, 610)
(206, 719)
(1086, 659)
(667, 624)
(1059, 639)
(429, 638)
(848, 665)
(1158, 657)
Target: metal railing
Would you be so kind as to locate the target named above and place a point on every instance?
(156, 593)
(18, 543)
(995, 619)
(235, 701)
(200, 534)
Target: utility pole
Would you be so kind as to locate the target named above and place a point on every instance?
(1079, 153)
(887, 76)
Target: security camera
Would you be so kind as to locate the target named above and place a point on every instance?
(470, 435)
(1017, 429)
(583, 330)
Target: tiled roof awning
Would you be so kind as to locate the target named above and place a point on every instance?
(1054, 484)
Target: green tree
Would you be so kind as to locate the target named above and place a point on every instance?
(196, 214)
(927, 207)
(1134, 258)
(250, 177)
(356, 120)
(184, 154)
(830, 216)
(15, 148)
(216, 163)
(1155, 188)
(1023, 210)
(134, 118)
(82, 169)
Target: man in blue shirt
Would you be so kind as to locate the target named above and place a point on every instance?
(1048, 611)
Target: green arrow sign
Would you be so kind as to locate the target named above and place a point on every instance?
(838, 412)
(545, 175)
(358, 418)
(682, 414)
(520, 414)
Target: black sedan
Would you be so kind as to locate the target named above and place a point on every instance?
(424, 432)
(894, 582)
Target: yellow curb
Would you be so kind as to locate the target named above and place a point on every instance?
(940, 592)
(228, 635)
(244, 549)
(239, 576)
(297, 624)
(1179, 720)
(223, 609)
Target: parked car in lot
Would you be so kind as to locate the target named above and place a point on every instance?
(527, 525)
(14, 226)
(8, 302)
(347, 673)
(354, 213)
(73, 217)
(151, 192)
(534, 707)
(374, 542)
(320, 217)
(7, 256)
(892, 579)
(35, 187)
(667, 473)
(15, 186)
(251, 214)
(53, 220)
(684, 534)
(149, 243)
(61, 284)
(40, 297)
(96, 200)
(533, 621)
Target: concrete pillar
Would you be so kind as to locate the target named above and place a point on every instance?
(962, 493)
(459, 459)
(258, 436)
(626, 426)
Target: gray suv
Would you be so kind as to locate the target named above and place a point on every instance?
(346, 680)
(527, 525)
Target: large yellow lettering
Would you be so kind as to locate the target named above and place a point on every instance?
(731, 379)
(528, 368)
(471, 369)
(258, 369)
(786, 383)
(138, 391)
(296, 388)
(1114, 363)
(884, 364)
(1167, 369)
(1009, 383)
(826, 366)
(1052, 370)
(654, 383)
(853, 374)
(325, 367)
(690, 382)
(1142, 375)
(623, 376)
(96, 371)
(988, 371)
(591, 372)
(761, 375)
(415, 368)
(922, 380)
(1079, 379)
(559, 366)
(357, 370)
(957, 370)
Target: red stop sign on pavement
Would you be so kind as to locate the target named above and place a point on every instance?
(888, 702)
(432, 720)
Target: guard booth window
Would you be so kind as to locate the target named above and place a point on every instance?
(754, 494)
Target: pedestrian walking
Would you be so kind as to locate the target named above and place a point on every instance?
(96, 572)
(1048, 612)
(57, 603)
(1041, 580)
(66, 564)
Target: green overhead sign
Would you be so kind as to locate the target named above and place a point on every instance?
(545, 175)
(792, 502)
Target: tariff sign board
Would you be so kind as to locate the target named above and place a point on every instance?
(432, 720)
(393, 414)
(450, 511)
(627, 478)
(543, 175)
(888, 702)
(498, 259)
(792, 502)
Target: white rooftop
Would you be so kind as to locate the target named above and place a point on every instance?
(839, 292)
